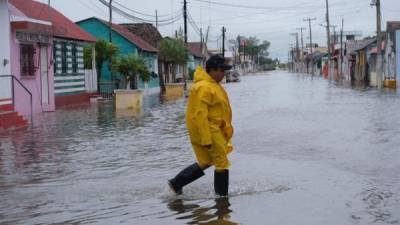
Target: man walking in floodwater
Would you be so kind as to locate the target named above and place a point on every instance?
(209, 122)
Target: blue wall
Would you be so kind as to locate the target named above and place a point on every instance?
(100, 31)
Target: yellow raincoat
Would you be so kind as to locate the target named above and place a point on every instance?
(209, 121)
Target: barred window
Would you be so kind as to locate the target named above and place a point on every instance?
(74, 60)
(64, 57)
(27, 60)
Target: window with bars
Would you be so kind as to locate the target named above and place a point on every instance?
(27, 59)
(64, 64)
(74, 60)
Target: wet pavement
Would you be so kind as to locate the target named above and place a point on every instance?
(307, 151)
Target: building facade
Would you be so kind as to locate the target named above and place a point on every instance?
(31, 62)
(5, 56)
(127, 43)
(392, 49)
(65, 53)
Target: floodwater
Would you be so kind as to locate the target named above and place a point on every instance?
(307, 151)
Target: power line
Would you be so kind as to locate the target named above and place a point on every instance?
(194, 25)
(138, 19)
(215, 39)
(144, 14)
(311, 44)
(250, 7)
(91, 8)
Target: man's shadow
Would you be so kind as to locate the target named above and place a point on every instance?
(219, 213)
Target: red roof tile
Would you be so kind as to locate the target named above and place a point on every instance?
(195, 49)
(62, 26)
(130, 36)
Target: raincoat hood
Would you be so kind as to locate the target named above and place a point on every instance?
(200, 74)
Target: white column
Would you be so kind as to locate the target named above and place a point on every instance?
(5, 69)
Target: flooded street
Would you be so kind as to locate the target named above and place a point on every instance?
(307, 151)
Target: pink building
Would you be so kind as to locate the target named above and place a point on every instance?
(41, 63)
(28, 83)
(31, 62)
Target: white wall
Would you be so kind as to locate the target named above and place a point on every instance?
(5, 85)
(91, 81)
(398, 56)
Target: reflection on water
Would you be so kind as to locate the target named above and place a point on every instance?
(196, 214)
(307, 151)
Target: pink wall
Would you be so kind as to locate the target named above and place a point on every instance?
(33, 83)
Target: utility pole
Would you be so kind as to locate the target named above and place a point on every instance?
(379, 42)
(201, 40)
(110, 22)
(244, 51)
(238, 40)
(302, 43)
(223, 41)
(156, 19)
(297, 48)
(185, 19)
(244, 54)
(328, 32)
(334, 37)
(291, 58)
(341, 49)
(208, 31)
(185, 30)
(302, 48)
(311, 45)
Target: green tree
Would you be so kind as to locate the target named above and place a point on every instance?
(258, 51)
(87, 57)
(131, 67)
(105, 52)
(173, 51)
(254, 48)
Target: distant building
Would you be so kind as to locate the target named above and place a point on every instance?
(146, 31)
(392, 51)
(358, 63)
(197, 55)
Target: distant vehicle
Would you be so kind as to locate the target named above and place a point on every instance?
(233, 76)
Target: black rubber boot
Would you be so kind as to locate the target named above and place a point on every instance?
(186, 176)
(221, 182)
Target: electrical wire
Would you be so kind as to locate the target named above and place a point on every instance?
(250, 7)
(138, 19)
(194, 25)
(144, 14)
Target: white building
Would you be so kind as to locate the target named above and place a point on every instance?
(5, 68)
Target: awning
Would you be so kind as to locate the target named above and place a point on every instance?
(32, 27)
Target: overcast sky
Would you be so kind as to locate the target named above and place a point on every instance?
(270, 20)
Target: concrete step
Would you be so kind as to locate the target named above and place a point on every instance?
(6, 107)
(9, 119)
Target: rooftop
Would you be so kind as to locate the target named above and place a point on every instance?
(62, 26)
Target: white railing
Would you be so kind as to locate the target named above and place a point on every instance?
(91, 81)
